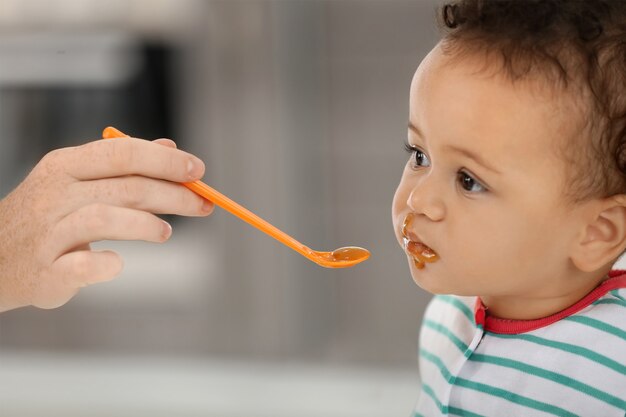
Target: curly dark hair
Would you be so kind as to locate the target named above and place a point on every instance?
(577, 46)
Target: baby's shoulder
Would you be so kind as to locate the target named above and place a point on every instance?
(451, 310)
(606, 315)
(451, 304)
(610, 308)
(617, 297)
(601, 326)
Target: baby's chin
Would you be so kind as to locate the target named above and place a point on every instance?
(434, 280)
(428, 278)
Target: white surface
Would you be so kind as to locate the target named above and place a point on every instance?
(52, 59)
(34, 385)
(146, 16)
(180, 271)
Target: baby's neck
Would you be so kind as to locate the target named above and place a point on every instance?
(534, 306)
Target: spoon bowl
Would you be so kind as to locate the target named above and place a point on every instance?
(339, 258)
(342, 257)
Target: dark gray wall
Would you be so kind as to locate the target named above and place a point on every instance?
(299, 109)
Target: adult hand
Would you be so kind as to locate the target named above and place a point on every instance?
(103, 190)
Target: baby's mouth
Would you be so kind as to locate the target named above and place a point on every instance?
(420, 253)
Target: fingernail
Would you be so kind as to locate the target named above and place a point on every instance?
(167, 230)
(195, 168)
(207, 206)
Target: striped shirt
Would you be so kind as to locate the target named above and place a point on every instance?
(572, 363)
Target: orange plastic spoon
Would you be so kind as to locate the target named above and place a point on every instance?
(339, 258)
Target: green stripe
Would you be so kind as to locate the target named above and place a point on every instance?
(455, 411)
(551, 376)
(494, 391)
(530, 369)
(597, 324)
(428, 390)
(618, 302)
(616, 294)
(416, 414)
(431, 357)
(542, 373)
(459, 305)
(446, 332)
(568, 347)
(515, 398)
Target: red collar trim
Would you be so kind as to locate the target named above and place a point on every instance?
(617, 279)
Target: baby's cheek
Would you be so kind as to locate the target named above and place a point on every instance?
(400, 197)
(503, 259)
(399, 207)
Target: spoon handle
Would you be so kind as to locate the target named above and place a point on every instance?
(246, 215)
(233, 208)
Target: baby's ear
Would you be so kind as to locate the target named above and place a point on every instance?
(604, 236)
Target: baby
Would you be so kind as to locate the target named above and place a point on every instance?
(512, 209)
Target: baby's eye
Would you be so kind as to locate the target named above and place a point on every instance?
(470, 184)
(418, 158)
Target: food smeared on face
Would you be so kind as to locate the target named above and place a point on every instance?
(420, 253)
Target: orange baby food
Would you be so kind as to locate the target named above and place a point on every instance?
(420, 252)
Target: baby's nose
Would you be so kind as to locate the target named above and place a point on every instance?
(426, 198)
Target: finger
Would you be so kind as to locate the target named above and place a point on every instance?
(96, 222)
(72, 271)
(165, 142)
(147, 194)
(127, 156)
(81, 268)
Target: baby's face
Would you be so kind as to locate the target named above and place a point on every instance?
(497, 219)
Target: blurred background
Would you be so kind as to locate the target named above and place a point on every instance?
(299, 109)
